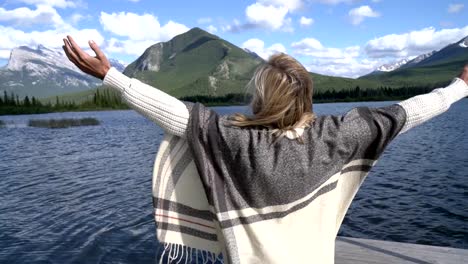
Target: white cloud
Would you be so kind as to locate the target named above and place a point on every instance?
(11, 38)
(4, 54)
(212, 29)
(24, 16)
(134, 33)
(350, 67)
(134, 1)
(292, 5)
(52, 3)
(75, 18)
(347, 62)
(413, 43)
(355, 61)
(455, 8)
(204, 20)
(258, 46)
(358, 14)
(305, 21)
(136, 27)
(307, 44)
(130, 47)
(313, 47)
(267, 14)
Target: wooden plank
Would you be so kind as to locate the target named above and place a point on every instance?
(356, 250)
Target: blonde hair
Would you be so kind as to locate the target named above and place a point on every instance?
(282, 97)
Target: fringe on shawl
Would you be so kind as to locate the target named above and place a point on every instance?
(180, 254)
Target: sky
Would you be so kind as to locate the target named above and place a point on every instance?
(346, 38)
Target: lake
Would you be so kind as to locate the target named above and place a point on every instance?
(83, 194)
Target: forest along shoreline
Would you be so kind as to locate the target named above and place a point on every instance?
(106, 99)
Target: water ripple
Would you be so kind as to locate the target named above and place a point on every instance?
(83, 195)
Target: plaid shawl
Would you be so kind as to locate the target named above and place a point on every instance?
(238, 192)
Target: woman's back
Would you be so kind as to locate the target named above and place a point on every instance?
(257, 183)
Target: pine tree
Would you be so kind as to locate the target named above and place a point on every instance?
(5, 98)
(26, 101)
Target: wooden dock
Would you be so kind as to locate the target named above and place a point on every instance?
(363, 251)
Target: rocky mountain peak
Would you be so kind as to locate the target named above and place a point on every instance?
(464, 42)
(43, 71)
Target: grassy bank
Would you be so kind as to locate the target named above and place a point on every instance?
(63, 123)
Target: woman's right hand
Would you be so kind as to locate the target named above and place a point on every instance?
(464, 74)
(96, 66)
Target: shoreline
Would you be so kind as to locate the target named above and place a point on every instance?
(206, 104)
(209, 105)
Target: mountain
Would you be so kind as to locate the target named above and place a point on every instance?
(463, 43)
(401, 64)
(199, 63)
(454, 52)
(388, 67)
(393, 66)
(118, 64)
(195, 63)
(253, 54)
(434, 68)
(417, 60)
(43, 72)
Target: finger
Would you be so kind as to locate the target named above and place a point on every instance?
(77, 64)
(99, 54)
(70, 53)
(81, 54)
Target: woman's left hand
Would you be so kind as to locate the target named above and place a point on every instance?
(97, 66)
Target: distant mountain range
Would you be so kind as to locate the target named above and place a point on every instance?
(199, 63)
(431, 68)
(401, 64)
(43, 72)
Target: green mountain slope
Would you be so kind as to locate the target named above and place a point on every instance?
(195, 63)
(326, 83)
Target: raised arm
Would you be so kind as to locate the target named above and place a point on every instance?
(423, 107)
(168, 112)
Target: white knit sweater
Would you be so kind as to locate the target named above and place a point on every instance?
(166, 111)
(172, 115)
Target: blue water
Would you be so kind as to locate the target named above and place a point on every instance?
(83, 194)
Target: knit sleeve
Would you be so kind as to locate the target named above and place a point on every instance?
(168, 112)
(421, 108)
(368, 131)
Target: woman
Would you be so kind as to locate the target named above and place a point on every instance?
(273, 187)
